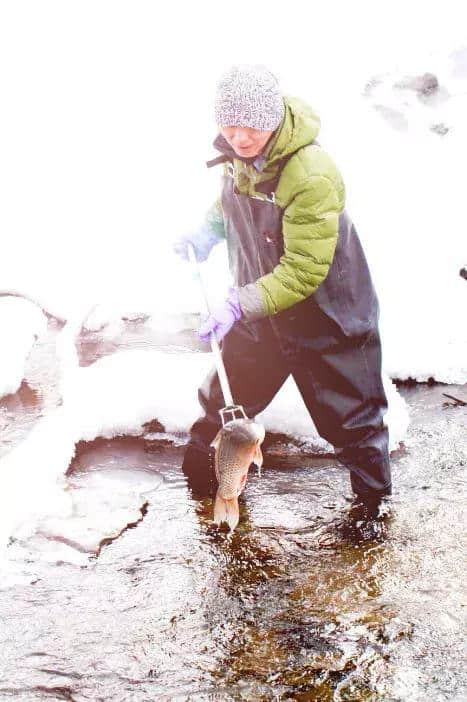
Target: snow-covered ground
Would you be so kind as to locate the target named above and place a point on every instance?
(117, 395)
(107, 125)
(21, 325)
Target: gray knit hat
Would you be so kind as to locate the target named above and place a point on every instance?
(249, 96)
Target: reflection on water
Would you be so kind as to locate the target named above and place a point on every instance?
(302, 606)
(287, 607)
(37, 394)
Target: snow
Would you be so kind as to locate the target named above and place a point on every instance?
(414, 237)
(287, 414)
(21, 323)
(102, 166)
(98, 177)
(115, 396)
(119, 393)
(32, 477)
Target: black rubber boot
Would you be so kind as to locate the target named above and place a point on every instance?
(368, 506)
(367, 518)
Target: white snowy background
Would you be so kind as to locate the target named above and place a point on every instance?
(105, 127)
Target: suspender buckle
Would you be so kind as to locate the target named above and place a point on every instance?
(268, 197)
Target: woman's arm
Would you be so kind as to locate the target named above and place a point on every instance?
(310, 229)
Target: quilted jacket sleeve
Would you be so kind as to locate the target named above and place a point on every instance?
(214, 219)
(310, 230)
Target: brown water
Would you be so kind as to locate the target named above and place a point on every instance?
(292, 606)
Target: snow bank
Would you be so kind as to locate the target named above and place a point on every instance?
(119, 393)
(405, 183)
(287, 414)
(115, 396)
(32, 477)
(21, 323)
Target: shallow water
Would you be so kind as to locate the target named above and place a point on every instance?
(291, 606)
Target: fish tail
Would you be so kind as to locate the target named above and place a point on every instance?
(226, 511)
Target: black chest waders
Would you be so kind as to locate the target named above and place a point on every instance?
(329, 342)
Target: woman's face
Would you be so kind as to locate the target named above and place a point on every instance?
(245, 141)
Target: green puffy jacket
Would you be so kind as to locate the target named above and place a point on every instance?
(311, 194)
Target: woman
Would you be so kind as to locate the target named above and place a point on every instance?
(303, 301)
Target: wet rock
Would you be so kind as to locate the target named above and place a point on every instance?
(424, 85)
(153, 427)
(400, 99)
(395, 630)
(136, 317)
(370, 86)
(303, 638)
(440, 129)
(282, 450)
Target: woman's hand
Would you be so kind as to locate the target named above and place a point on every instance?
(222, 318)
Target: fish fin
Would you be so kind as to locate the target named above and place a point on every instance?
(243, 482)
(226, 511)
(258, 456)
(216, 441)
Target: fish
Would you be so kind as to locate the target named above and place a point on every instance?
(237, 445)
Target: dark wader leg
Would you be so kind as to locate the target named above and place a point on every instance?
(342, 388)
(256, 371)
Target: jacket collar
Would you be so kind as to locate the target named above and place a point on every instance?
(259, 161)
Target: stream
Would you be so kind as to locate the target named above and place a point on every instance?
(291, 606)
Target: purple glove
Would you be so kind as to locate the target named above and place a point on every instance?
(222, 319)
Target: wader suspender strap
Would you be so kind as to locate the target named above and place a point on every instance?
(215, 161)
(267, 187)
